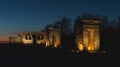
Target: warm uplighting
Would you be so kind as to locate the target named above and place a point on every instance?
(87, 34)
(50, 37)
(90, 41)
(90, 48)
(47, 44)
(27, 41)
(80, 47)
(55, 45)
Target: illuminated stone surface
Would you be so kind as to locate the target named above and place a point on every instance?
(49, 38)
(54, 37)
(87, 34)
(15, 39)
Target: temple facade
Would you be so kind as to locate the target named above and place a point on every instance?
(51, 37)
(87, 35)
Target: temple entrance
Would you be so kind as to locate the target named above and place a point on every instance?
(90, 41)
(34, 39)
(53, 40)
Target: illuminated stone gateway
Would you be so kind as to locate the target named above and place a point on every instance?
(51, 37)
(87, 35)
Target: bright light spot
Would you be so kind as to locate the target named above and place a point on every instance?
(80, 47)
(77, 51)
(90, 41)
(90, 48)
(72, 50)
(92, 51)
(103, 51)
(47, 44)
(55, 45)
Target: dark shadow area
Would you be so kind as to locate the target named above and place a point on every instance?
(30, 55)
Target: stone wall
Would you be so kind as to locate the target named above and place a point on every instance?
(87, 35)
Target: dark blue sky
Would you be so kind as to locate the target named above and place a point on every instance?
(33, 15)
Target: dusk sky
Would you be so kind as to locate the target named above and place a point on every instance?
(33, 15)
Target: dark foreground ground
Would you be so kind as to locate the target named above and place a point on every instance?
(31, 56)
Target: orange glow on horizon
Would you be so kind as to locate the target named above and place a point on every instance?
(4, 38)
(4, 41)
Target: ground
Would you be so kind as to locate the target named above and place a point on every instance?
(31, 56)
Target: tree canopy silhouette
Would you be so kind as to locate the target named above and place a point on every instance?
(109, 34)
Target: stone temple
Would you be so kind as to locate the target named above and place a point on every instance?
(51, 37)
(87, 35)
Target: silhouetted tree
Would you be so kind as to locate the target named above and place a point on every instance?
(97, 17)
(113, 23)
(108, 36)
(48, 26)
(64, 24)
(86, 16)
(67, 38)
(66, 31)
(104, 23)
(118, 24)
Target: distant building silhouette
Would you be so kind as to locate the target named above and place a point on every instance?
(51, 37)
(87, 35)
(15, 39)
